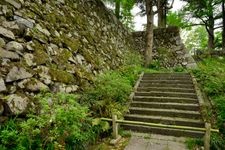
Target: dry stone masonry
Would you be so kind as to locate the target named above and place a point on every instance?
(56, 45)
(168, 47)
(60, 45)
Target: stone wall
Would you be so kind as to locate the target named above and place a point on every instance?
(55, 45)
(168, 48)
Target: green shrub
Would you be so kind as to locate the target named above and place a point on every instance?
(110, 92)
(61, 123)
(217, 142)
(194, 143)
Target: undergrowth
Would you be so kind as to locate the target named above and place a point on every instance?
(62, 123)
(68, 121)
(211, 76)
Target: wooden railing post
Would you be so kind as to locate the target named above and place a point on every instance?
(207, 136)
(115, 126)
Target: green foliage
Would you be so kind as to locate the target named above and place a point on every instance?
(176, 19)
(126, 16)
(196, 39)
(109, 94)
(217, 142)
(193, 143)
(179, 69)
(155, 64)
(62, 123)
(211, 76)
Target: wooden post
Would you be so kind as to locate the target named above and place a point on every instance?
(207, 136)
(115, 126)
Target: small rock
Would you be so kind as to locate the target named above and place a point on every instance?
(192, 65)
(2, 42)
(17, 73)
(22, 83)
(29, 46)
(8, 54)
(29, 59)
(53, 49)
(184, 63)
(14, 46)
(14, 4)
(59, 87)
(12, 89)
(44, 31)
(80, 58)
(2, 85)
(5, 62)
(71, 88)
(10, 25)
(60, 2)
(44, 75)
(23, 23)
(34, 85)
(6, 33)
(17, 104)
(57, 33)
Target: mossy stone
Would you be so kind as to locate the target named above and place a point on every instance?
(63, 57)
(40, 56)
(61, 76)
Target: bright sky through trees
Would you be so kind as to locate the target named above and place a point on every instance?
(139, 21)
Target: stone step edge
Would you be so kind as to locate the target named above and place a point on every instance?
(164, 131)
(165, 110)
(165, 80)
(165, 88)
(172, 98)
(164, 118)
(158, 92)
(166, 103)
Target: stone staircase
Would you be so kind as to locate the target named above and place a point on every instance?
(165, 98)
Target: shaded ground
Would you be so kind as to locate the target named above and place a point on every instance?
(140, 141)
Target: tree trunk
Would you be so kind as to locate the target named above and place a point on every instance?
(161, 5)
(117, 9)
(149, 33)
(210, 28)
(223, 33)
(211, 36)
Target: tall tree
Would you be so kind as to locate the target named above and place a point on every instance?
(149, 32)
(163, 7)
(117, 8)
(206, 12)
(223, 32)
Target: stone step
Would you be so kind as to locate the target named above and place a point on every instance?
(165, 99)
(163, 81)
(167, 94)
(178, 106)
(165, 112)
(166, 120)
(166, 85)
(166, 89)
(166, 75)
(164, 131)
(166, 78)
